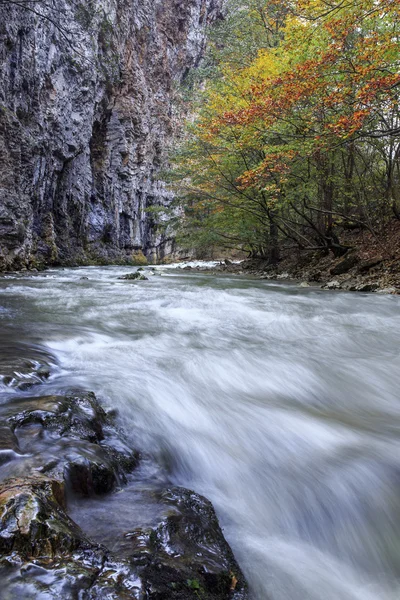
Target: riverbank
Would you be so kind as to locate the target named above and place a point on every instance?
(60, 455)
(350, 273)
(372, 264)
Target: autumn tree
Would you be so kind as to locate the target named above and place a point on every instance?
(297, 138)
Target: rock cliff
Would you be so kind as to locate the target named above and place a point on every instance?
(86, 113)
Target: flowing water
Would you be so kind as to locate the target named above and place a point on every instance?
(280, 404)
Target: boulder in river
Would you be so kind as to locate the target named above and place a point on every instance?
(65, 447)
(134, 277)
(67, 437)
(186, 555)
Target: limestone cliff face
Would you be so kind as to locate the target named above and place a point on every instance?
(86, 113)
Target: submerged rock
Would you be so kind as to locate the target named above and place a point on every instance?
(21, 373)
(77, 415)
(69, 438)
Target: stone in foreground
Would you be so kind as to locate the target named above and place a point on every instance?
(57, 448)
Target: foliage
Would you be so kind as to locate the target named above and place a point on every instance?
(296, 133)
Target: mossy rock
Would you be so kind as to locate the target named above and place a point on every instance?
(33, 519)
(134, 277)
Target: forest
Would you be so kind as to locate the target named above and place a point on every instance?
(293, 134)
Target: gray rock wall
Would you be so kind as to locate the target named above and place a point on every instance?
(86, 114)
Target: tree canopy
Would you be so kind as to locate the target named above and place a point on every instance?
(294, 135)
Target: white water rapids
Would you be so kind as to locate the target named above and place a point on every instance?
(279, 404)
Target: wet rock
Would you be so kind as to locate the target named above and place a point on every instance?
(186, 556)
(29, 375)
(42, 549)
(367, 287)
(90, 473)
(305, 284)
(183, 558)
(134, 277)
(45, 554)
(33, 521)
(69, 438)
(8, 440)
(315, 276)
(331, 285)
(94, 470)
(350, 284)
(71, 447)
(78, 415)
(124, 459)
(19, 372)
(9, 448)
(43, 372)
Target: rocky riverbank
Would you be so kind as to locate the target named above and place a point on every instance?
(371, 264)
(351, 273)
(59, 449)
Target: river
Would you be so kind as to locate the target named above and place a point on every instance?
(280, 404)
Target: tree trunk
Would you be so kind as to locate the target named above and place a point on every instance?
(273, 241)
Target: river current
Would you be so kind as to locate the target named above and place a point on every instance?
(280, 404)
